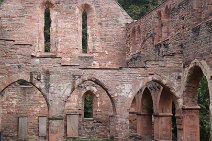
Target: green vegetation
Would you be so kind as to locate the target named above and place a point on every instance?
(1, 1)
(138, 8)
(204, 102)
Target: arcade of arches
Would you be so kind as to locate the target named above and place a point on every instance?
(111, 78)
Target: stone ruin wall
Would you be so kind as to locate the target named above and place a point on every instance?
(174, 31)
(106, 21)
(120, 62)
(22, 101)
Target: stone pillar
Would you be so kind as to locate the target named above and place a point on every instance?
(191, 131)
(144, 126)
(56, 128)
(179, 123)
(121, 128)
(163, 127)
(139, 124)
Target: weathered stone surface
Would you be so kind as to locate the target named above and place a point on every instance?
(22, 128)
(167, 52)
(42, 126)
(56, 129)
(72, 125)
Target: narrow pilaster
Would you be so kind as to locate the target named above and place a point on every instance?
(56, 128)
(191, 131)
(163, 127)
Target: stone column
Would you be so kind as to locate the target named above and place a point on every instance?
(191, 131)
(56, 128)
(144, 126)
(179, 123)
(163, 126)
(139, 124)
(121, 127)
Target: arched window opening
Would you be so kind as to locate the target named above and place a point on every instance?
(209, 13)
(165, 103)
(22, 82)
(166, 111)
(16, 99)
(147, 103)
(133, 41)
(88, 105)
(146, 122)
(84, 33)
(47, 27)
(158, 30)
(165, 21)
(197, 95)
(138, 38)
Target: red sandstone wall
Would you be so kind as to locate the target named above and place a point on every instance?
(99, 126)
(106, 28)
(17, 101)
(198, 45)
(168, 32)
(189, 38)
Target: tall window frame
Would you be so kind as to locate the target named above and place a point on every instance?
(84, 32)
(88, 105)
(47, 28)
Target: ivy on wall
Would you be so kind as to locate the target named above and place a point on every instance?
(204, 102)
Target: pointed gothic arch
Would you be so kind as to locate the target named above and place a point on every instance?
(193, 76)
(23, 100)
(102, 111)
